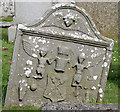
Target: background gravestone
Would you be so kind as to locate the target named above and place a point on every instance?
(60, 57)
(27, 12)
(6, 8)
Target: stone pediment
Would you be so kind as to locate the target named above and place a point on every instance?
(68, 22)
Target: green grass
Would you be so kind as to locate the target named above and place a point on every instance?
(6, 58)
(28, 107)
(111, 91)
(6, 19)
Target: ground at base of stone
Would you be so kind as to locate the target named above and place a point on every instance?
(80, 106)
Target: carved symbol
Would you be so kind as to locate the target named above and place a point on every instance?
(53, 92)
(33, 87)
(22, 89)
(68, 22)
(62, 59)
(69, 19)
(29, 49)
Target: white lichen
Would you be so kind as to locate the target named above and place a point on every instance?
(34, 55)
(36, 46)
(92, 50)
(29, 62)
(27, 72)
(93, 88)
(105, 64)
(100, 90)
(98, 85)
(95, 77)
(30, 37)
(101, 95)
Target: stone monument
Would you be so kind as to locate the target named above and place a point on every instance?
(62, 57)
(25, 13)
(6, 8)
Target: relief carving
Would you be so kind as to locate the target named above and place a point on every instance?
(41, 64)
(69, 19)
(22, 89)
(40, 55)
(62, 55)
(84, 64)
(62, 59)
(56, 87)
(79, 68)
(56, 90)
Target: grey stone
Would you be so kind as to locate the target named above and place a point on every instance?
(33, 87)
(12, 33)
(27, 12)
(63, 54)
(80, 106)
(6, 8)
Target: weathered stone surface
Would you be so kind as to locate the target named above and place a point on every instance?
(60, 57)
(80, 106)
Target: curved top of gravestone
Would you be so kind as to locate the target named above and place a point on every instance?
(69, 20)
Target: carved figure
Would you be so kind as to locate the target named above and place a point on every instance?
(56, 89)
(40, 55)
(41, 64)
(79, 68)
(84, 64)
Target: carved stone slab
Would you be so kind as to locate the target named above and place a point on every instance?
(61, 57)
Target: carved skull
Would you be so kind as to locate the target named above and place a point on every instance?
(81, 58)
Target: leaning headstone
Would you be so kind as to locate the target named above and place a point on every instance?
(60, 57)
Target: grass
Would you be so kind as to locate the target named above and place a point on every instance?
(111, 91)
(6, 19)
(28, 107)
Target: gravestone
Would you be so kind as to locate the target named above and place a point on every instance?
(25, 13)
(7, 8)
(60, 57)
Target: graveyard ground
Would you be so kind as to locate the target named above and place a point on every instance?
(111, 91)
